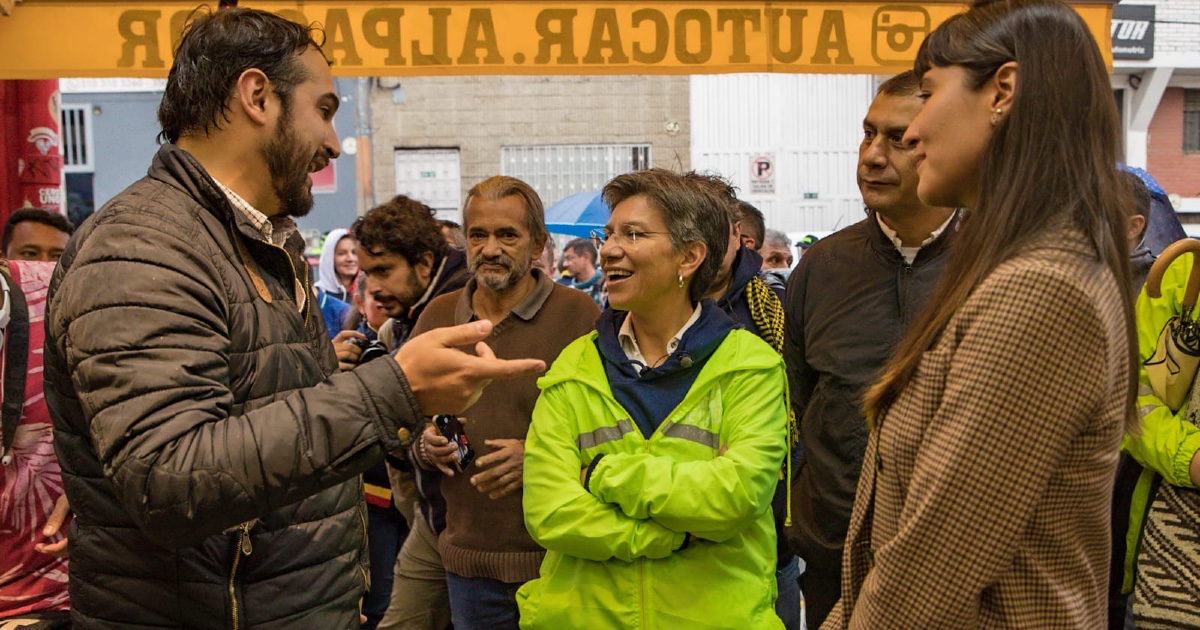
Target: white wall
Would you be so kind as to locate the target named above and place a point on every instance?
(811, 124)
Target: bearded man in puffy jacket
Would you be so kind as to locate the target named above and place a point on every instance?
(209, 449)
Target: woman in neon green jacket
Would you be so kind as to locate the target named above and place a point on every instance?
(1169, 441)
(657, 441)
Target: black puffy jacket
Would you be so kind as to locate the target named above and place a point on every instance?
(210, 452)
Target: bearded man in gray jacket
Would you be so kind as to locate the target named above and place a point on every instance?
(209, 449)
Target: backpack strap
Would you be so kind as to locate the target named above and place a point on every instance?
(16, 361)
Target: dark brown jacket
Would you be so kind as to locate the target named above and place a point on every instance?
(210, 453)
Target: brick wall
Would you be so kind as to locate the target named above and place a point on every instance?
(480, 114)
(1175, 37)
(1178, 173)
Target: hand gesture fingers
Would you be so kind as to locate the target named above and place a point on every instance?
(58, 515)
(447, 380)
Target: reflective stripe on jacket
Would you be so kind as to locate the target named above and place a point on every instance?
(616, 554)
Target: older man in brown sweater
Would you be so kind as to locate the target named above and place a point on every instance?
(485, 549)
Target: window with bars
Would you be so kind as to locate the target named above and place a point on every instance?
(560, 170)
(76, 121)
(1191, 121)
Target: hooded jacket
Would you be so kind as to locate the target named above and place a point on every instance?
(737, 304)
(452, 274)
(619, 554)
(209, 450)
(327, 279)
(593, 286)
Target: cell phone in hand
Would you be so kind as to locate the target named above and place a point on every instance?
(452, 430)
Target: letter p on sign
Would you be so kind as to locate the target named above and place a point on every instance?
(762, 174)
(763, 168)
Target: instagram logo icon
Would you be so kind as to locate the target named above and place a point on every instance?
(897, 29)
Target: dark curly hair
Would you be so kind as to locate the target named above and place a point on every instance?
(216, 48)
(401, 226)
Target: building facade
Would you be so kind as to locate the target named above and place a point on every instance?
(1156, 80)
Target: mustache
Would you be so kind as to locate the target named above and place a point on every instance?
(503, 261)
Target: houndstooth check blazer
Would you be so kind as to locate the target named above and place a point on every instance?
(984, 496)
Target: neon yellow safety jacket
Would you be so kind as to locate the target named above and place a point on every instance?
(1168, 441)
(671, 533)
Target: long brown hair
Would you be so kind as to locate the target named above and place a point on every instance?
(1054, 155)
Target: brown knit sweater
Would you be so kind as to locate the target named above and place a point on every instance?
(486, 537)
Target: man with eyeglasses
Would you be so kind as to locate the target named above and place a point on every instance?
(579, 259)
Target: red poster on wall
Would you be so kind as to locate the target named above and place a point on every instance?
(325, 180)
(31, 174)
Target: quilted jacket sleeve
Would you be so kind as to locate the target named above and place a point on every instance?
(139, 358)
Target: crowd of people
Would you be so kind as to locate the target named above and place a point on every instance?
(939, 417)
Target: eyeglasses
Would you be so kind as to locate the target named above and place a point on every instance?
(625, 236)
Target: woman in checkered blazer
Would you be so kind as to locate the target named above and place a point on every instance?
(984, 498)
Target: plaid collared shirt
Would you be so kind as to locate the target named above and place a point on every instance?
(277, 230)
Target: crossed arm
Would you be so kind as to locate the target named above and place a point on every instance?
(641, 505)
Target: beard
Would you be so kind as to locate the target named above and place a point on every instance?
(398, 304)
(288, 164)
(500, 281)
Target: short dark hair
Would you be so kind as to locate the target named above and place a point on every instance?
(1141, 198)
(401, 226)
(35, 215)
(460, 238)
(216, 48)
(584, 247)
(693, 211)
(906, 83)
(753, 223)
(1141, 195)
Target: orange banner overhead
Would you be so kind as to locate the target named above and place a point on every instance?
(48, 38)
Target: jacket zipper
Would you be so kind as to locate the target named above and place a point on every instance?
(308, 297)
(362, 517)
(905, 277)
(642, 562)
(244, 548)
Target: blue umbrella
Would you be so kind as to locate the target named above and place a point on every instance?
(578, 214)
